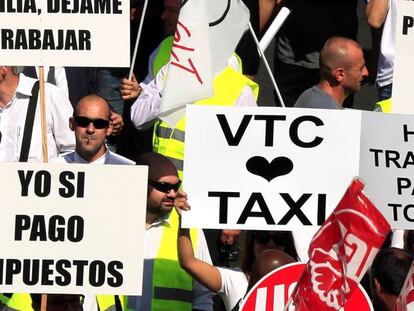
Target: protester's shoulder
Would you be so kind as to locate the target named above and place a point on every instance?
(233, 277)
(25, 85)
(306, 97)
(118, 159)
(54, 94)
(235, 62)
(68, 157)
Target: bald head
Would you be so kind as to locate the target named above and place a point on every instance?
(158, 165)
(91, 124)
(95, 101)
(337, 52)
(268, 260)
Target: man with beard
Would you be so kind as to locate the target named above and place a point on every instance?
(91, 124)
(165, 285)
(342, 69)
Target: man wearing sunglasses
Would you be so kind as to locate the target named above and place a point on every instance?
(165, 285)
(91, 124)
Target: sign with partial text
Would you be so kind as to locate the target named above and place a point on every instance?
(72, 228)
(65, 33)
(285, 169)
(401, 13)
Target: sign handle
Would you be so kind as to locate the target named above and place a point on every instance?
(262, 55)
(141, 22)
(43, 113)
(43, 303)
(288, 304)
(274, 28)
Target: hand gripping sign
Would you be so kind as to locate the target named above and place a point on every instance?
(341, 252)
(405, 301)
(273, 290)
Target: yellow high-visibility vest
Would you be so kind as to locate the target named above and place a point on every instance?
(384, 105)
(23, 302)
(163, 55)
(171, 286)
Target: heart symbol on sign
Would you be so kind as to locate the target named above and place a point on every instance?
(278, 167)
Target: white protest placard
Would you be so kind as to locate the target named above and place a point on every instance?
(252, 168)
(404, 58)
(72, 228)
(65, 33)
(207, 35)
(286, 169)
(387, 165)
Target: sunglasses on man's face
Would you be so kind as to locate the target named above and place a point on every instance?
(263, 237)
(85, 121)
(165, 186)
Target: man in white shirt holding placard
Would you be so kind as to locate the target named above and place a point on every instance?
(15, 93)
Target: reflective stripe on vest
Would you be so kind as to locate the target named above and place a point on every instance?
(166, 132)
(384, 105)
(171, 286)
(7, 308)
(163, 55)
(228, 86)
(23, 302)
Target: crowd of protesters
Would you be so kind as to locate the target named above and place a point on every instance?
(317, 64)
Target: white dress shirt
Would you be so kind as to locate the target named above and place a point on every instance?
(107, 158)
(60, 138)
(147, 105)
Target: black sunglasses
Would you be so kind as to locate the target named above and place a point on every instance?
(164, 186)
(262, 237)
(85, 121)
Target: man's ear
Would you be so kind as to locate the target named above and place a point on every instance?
(377, 285)
(72, 124)
(339, 74)
(3, 71)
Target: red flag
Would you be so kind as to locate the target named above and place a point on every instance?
(341, 252)
(405, 301)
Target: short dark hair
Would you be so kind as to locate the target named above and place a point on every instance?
(248, 256)
(390, 268)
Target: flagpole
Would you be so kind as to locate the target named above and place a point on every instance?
(272, 78)
(288, 304)
(141, 22)
(274, 28)
(43, 303)
(43, 113)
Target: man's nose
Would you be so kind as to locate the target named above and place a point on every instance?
(365, 72)
(90, 128)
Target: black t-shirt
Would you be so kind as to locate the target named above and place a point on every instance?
(311, 23)
(246, 48)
